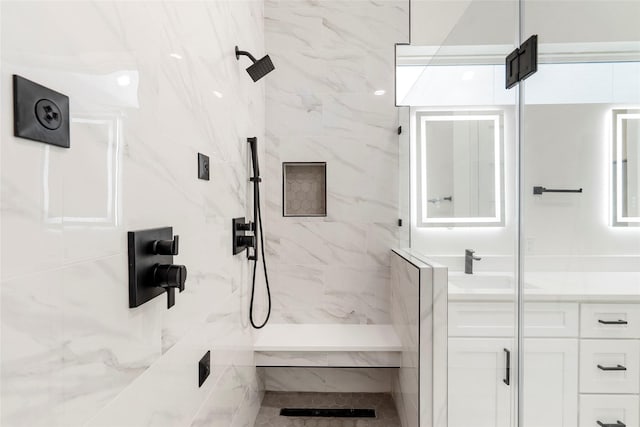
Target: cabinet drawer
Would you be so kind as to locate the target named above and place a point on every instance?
(609, 366)
(551, 320)
(610, 321)
(497, 319)
(481, 319)
(608, 409)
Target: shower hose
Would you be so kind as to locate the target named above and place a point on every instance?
(257, 214)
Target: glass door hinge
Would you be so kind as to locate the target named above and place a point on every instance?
(522, 62)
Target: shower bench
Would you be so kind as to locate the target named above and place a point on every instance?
(327, 345)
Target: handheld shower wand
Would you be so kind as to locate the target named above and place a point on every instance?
(257, 219)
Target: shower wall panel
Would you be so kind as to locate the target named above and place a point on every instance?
(151, 84)
(332, 100)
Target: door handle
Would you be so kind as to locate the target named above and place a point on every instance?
(617, 424)
(507, 367)
(613, 322)
(612, 368)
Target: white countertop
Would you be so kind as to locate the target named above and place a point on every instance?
(326, 337)
(547, 286)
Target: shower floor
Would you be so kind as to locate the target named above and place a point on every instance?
(269, 415)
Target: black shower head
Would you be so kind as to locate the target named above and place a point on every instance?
(260, 68)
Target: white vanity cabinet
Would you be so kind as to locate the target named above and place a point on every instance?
(480, 397)
(551, 382)
(479, 334)
(581, 361)
(609, 364)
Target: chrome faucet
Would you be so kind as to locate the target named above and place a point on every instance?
(468, 260)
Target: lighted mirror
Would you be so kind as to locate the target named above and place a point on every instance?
(460, 168)
(626, 167)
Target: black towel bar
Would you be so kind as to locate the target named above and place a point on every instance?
(540, 190)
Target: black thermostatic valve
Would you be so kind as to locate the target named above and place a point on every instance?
(151, 268)
(39, 113)
(203, 166)
(204, 368)
(241, 242)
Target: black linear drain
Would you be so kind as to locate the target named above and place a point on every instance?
(338, 413)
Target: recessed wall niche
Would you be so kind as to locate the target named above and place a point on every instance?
(304, 189)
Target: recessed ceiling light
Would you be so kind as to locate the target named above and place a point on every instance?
(175, 55)
(124, 80)
(380, 92)
(218, 94)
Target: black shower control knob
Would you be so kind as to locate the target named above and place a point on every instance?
(246, 241)
(170, 276)
(244, 226)
(166, 247)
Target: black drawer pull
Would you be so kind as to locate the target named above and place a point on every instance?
(617, 424)
(613, 322)
(507, 369)
(612, 368)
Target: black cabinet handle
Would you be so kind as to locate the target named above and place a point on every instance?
(617, 424)
(507, 368)
(612, 368)
(613, 322)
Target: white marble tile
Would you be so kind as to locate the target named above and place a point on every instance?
(405, 291)
(340, 359)
(31, 193)
(295, 291)
(333, 56)
(347, 114)
(321, 243)
(300, 68)
(247, 412)
(145, 99)
(297, 113)
(327, 337)
(421, 385)
(357, 295)
(95, 344)
(440, 344)
(359, 380)
(348, 28)
(131, 166)
(361, 359)
(380, 237)
(291, 358)
(218, 409)
(369, 380)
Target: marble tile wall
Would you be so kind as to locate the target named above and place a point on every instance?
(405, 315)
(151, 84)
(330, 57)
(419, 315)
(328, 380)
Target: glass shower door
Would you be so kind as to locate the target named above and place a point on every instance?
(579, 235)
(463, 198)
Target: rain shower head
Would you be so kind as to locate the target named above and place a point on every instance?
(260, 68)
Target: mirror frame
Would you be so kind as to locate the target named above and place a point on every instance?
(618, 116)
(424, 116)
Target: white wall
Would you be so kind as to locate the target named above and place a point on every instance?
(568, 146)
(73, 353)
(330, 57)
(478, 22)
